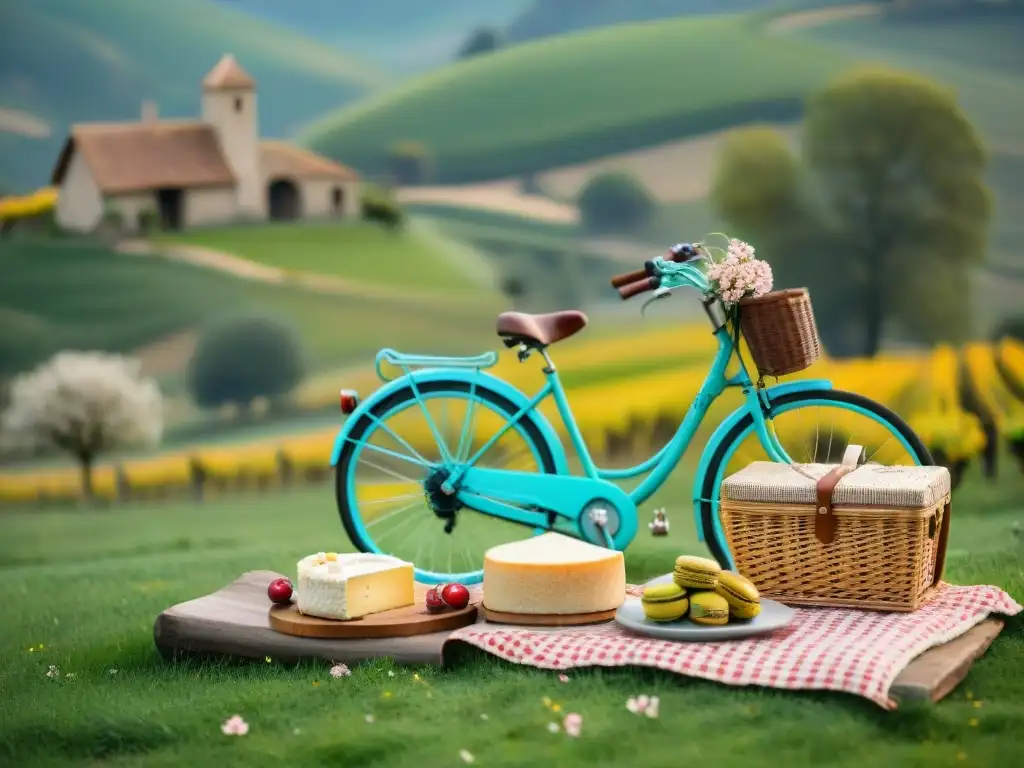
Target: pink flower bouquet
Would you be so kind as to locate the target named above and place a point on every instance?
(737, 274)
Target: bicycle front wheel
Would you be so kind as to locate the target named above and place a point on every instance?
(811, 427)
(390, 471)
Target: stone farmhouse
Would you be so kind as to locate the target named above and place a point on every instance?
(188, 173)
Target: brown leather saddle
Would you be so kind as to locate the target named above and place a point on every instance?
(540, 330)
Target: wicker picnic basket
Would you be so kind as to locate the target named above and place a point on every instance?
(867, 536)
(780, 330)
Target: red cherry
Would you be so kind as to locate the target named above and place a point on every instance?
(280, 591)
(455, 595)
(434, 602)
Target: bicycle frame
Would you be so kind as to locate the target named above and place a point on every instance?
(660, 465)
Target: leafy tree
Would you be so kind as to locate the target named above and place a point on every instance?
(481, 40)
(615, 203)
(243, 358)
(880, 216)
(85, 404)
(410, 163)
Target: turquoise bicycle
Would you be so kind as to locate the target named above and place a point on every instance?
(447, 460)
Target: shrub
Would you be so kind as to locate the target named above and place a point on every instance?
(149, 221)
(615, 202)
(383, 211)
(1012, 328)
(243, 358)
(481, 40)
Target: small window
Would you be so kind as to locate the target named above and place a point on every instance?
(238, 103)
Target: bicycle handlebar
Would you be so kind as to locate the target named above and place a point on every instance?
(638, 281)
(637, 287)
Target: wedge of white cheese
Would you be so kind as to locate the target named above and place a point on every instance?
(348, 586)
(553, 574)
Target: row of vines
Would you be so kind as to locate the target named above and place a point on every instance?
(628, 395)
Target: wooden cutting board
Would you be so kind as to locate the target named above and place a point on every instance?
(401, 622)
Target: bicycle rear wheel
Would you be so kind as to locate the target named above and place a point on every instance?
(812, 427)
(389, 475)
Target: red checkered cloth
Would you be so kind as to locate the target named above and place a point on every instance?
(835, 649)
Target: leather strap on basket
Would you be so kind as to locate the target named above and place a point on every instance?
(825, 520)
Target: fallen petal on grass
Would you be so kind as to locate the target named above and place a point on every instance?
(466, 755)
(234, 726)
(573, 724)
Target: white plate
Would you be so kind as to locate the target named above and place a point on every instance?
(773, 616)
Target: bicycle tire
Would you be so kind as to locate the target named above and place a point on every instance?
(708, 490)
(533, 435)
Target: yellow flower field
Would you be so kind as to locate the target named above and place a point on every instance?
(16, 207)
(923, 387)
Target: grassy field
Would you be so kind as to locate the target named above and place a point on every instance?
(63, 294)
(361, 252)
(98, 60)
(84, 588)
(533, 106)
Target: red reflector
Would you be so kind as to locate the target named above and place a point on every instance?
(349, 401)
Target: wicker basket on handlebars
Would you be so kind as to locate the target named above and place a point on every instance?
(780, 331)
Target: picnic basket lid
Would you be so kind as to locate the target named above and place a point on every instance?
(873, 485)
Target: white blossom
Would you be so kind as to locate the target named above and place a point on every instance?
(85, 403)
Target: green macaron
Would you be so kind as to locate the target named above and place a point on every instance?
(664, 602)
(739, 592)
(696, 572)
(708, 608)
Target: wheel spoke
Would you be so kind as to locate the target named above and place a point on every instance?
(405, 511)
(389, 515)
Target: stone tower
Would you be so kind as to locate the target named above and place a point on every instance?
(229, 105)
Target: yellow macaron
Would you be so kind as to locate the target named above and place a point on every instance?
(696, 572)
(742, 596)
(664, 602)
(708, 608)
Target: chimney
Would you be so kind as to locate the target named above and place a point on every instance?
(149, 112)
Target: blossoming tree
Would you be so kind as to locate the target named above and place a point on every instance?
(85, 403)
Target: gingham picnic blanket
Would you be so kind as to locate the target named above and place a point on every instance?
(835, 649)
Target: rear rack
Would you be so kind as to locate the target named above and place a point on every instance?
(407, 362)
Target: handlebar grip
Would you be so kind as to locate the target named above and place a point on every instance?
(628, 277)
(638, 287)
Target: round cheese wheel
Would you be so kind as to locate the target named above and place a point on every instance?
(553, 574)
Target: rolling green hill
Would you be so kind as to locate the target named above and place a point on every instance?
(66, 294)
(544, 18)
(64, 61)
(397, 35)
(572, 98)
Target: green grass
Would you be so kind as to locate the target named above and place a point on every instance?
(570, 99)
(359, 252)
(88, 585)
(66, 294)
(454, 215)
(98, 60)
